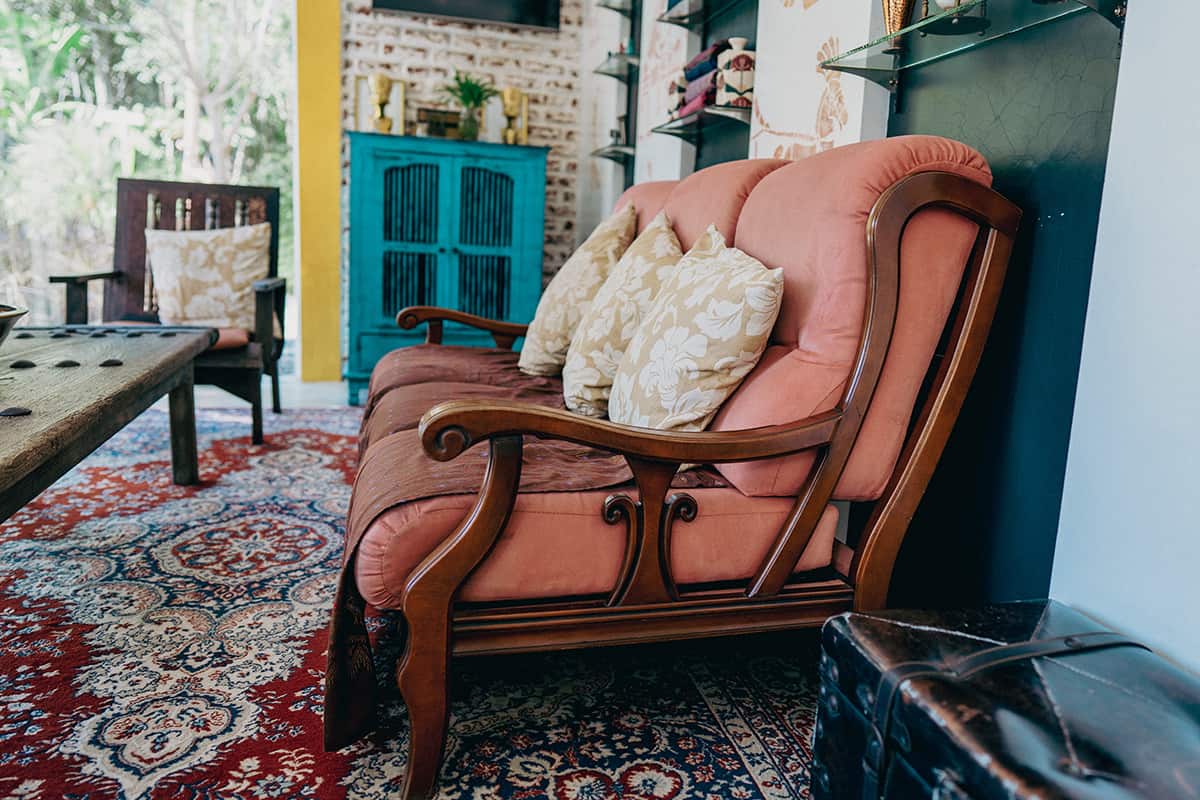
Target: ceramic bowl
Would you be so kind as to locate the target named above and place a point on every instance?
(8, 318)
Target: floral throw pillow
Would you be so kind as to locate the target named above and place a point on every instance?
(615, 315)
(708, 328)
(206, 277)
(570, 293)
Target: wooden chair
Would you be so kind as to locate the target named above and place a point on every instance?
(470, 581)
(238, 362)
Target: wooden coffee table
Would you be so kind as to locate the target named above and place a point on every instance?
(64, 391)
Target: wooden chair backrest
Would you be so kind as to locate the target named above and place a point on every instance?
(171, 205)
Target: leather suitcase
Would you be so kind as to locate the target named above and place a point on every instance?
(1018, 700)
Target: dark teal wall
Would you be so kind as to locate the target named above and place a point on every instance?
(1038, 105)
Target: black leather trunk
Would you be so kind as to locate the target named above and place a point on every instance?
(1018, 700)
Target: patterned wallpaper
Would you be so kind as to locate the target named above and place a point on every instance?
(801, 109)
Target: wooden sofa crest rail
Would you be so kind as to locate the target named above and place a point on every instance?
(647, 603)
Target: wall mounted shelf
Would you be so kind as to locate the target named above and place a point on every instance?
(618, 65)
(622, 7)
(689, 127)
(694, 15)
(620, 153)
(949, 33)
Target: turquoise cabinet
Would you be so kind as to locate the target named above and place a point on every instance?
(438, 222)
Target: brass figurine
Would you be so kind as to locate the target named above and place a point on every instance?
(381, 95)
(510, 100)
(515, 104)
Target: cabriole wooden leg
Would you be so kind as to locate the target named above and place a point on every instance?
(422, 679)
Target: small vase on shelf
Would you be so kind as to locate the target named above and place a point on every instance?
(735, 75)
(468, 124)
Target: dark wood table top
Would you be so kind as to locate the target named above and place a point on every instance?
(81, 384)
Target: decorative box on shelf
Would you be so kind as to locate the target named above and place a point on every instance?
(438, 222)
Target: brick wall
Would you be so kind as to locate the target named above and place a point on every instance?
(425, 52)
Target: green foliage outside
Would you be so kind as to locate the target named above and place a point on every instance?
(93, 90)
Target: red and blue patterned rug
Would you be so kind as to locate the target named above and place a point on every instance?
(166, 642)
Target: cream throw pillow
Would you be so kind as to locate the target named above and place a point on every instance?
(570, 292)
(707, 330)
(614, 316)
(206, 277)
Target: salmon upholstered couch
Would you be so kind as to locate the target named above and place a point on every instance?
(499, 522)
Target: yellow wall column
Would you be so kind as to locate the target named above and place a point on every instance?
(319, 186)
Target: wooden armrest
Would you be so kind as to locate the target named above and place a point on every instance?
(505, 333)
(270, 285)
(77, 291)
(450, 428)
(83, 277)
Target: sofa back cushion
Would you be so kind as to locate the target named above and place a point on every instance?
(809, 218)
(648, 199)
(715, 196)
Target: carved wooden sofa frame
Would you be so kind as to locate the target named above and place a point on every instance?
(646, 605)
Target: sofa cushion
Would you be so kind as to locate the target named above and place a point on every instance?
(570, 292)
(403, 408)
(206, 277)
(557, 544)
(614, 317)
(705, 332)
(809, 218)
(227, 338)
(410, 366)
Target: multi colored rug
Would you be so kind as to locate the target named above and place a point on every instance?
(167, 642)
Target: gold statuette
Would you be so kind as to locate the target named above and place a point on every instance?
(511, 99)
(381, 95)
(523, 134)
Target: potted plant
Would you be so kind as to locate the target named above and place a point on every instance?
(470, 93)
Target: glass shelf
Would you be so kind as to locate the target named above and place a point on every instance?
(695, 14)
(617, 65)
(620, 153)
(622, 7)
(956, 30)
(689, 127)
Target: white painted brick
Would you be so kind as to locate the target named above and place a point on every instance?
(425, 52)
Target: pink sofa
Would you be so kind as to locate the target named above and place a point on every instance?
(888, 249)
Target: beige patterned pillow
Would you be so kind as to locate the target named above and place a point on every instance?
(614, 316)
(206, 277)
(707, 330)
(571, 291)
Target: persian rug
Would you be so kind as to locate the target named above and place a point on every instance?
(159, 641)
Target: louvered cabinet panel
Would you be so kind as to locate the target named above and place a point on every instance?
(436, 222)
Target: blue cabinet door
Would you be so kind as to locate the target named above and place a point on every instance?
(405, 207)
(489, 243)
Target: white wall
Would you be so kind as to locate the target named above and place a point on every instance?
(664, 50)
(1129, 534)
(599, 182)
